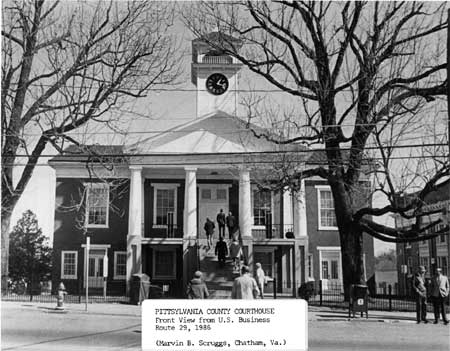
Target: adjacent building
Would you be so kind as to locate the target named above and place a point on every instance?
(429, 253)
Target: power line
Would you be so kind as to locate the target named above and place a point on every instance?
(248, 153)
(213, 163)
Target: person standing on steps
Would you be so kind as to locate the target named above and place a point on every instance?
(439, 292)
(221, 223)
(244, 287)
(221, 251)
(236, 254)
(421, 295)
(260, 279)
(231, 223)
(209, 229)
(197, 288)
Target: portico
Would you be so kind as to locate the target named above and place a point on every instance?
(169, 204)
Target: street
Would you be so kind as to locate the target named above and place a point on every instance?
(118, 327)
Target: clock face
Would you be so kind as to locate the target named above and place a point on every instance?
(217, 84)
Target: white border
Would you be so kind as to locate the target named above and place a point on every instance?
(165, 186)
(69, 276)
(90, 186)
(116, 276)
(319, 188)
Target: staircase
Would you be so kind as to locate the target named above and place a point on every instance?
(218, 280)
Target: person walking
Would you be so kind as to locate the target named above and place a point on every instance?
(231, 223)
(221, 251)
(244, 287)
(221, 222)
(209, 229)
(260, 279)
(235, 254)
(439, 292)
(197, 288)
(421, 295)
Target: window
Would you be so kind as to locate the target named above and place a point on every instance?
(334, 270)
(310, 266)
(442, 262)
(120, 264)
(221, 194)
(327, 217)
(97, 205)
(325, 270)
(261, 207)
(206, 194)
(69, 261)
(165, 202)
(410, 265)
(164, 264)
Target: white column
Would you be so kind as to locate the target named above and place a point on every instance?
(136, 198)
(134, 262)
(190, 203)
(287, 209)
(300, 226)
(245, 210)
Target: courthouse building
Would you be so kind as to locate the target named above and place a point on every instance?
(147, 214)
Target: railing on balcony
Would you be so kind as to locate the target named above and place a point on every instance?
(274, 231)
(217, 59)
(172, 231)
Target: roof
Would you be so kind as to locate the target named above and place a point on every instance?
(217, 37)
(94, 153)
(441, 192)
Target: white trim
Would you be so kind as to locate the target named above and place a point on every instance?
(86, 219)
(164, 186)
(174, 261)
(116, 276)
(69, 276)
(97, 246)
(329, 248)
(320, 188)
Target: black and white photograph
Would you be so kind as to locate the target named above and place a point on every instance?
(291, 153)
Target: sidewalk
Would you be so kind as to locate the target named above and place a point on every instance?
(317, 313)
(108, 309)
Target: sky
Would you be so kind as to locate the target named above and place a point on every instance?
(161, 110)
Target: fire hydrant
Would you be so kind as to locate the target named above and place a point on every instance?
(60, 296)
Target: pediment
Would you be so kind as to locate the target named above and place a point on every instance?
(219, 133)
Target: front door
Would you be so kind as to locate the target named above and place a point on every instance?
(330, 270)
(95, 269)
(212, 198)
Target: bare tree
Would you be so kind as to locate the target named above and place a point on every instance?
(360, 71)
(64, 65)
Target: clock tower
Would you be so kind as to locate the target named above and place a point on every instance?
(215, 74)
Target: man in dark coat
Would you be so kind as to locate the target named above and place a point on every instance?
(231, 223)
(197, 288)
(421, 295)
(209, 229)
(221, 222)
(221, 251)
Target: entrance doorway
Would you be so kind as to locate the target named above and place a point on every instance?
(95, 273)
(330, 269)
(212, 198)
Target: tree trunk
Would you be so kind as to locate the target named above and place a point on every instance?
(6, 219)
(352, 256)
(351, 237)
